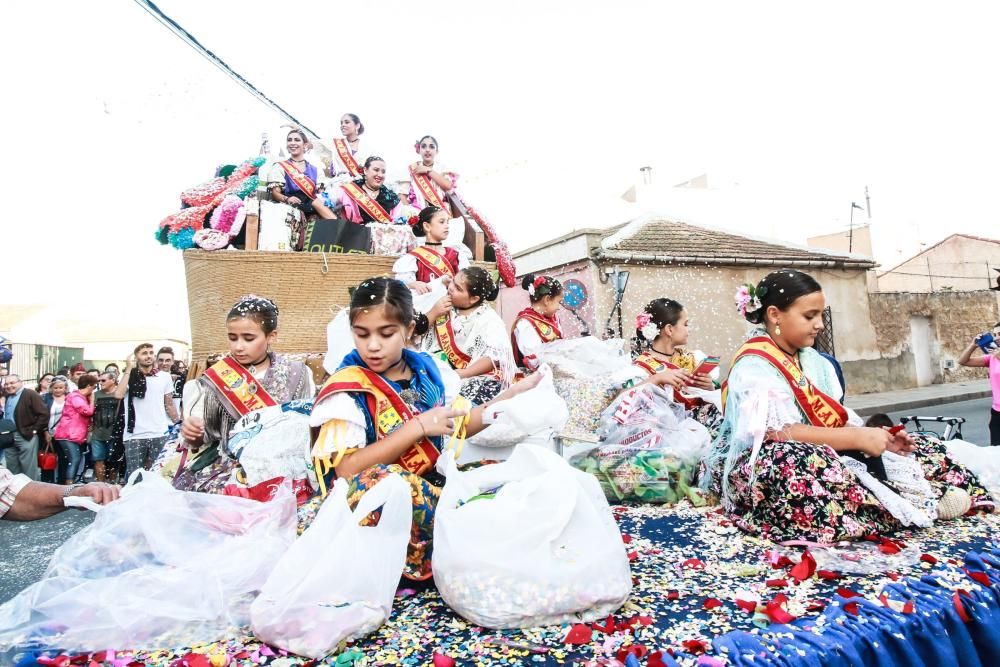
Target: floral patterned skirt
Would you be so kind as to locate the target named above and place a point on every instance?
(804, 492)
(710, 417)
(481, 389)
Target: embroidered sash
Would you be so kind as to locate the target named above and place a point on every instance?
(367, 204)
(427, 189)
(446, 337)
(435, 263)
(237, 387)
(652, 365)
(547, 330)
(347, 157)
(387, 410)
(819, 408)
(302, 182)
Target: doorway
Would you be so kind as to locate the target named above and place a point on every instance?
(922, 347)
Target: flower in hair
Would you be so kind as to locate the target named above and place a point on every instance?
(748, 299)
(539, 281)
(644, 324)
(413, 220)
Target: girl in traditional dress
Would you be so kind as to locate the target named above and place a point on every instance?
(429, 183)
(367, 198)
(294, 181)
(250, 378)
(430, 260)
(662, 330)
(469, 333)
(537, 324)
(386, 410)
(779, 460)
(348, 155)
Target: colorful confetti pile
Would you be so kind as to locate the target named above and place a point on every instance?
(696, 577)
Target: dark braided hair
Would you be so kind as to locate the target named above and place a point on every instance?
(480, 283)
(544, 286)
(394, 296)
(261, 310)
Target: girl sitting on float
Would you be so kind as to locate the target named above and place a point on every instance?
(429, 183)
(662, 330)
(366, 198)
(250, 378)
(469, 333)
(348, 154)
(779, 459)
(537, 324)
(430, 260)
(294, 181)
(386, 409)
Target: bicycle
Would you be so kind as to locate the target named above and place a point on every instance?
(952, 426)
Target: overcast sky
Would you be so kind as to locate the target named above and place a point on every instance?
(547, 110)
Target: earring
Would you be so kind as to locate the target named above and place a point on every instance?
(777, 329)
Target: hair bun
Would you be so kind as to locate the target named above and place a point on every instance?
(527, 281)
(421, 324)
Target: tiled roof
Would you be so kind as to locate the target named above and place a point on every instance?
(661, 239)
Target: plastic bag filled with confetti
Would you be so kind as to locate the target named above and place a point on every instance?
(338, 580)
(587, 357)
(516, 419)
(527, 542)
(156, 568)
(649, 451)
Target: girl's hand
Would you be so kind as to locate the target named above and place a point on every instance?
(672, 377)
(419, 168)
(293, 201)
(419, 287)
(703, 381)
(873, 441)
(193, 432)
(442, 307)
(520, 387)
(901, 443)
(439, 421)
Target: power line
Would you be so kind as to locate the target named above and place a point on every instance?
(190, 40)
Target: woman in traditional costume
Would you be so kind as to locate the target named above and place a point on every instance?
(432, 259)
(469, 333)
(250, 378)
(294, 181)
(537, 324)
(348, 154)
(662, 331)
(429, 182)
(366, 198)
(792, 462)
(386, 409)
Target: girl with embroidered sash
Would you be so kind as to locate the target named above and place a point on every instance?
(537, 324)
(662, 331)
(429, 183)
(366, 198)
(432, 259)
(386, 410)
(468, 332)
(294, 181)
(348, 154)
(250, 378)
(782, 458)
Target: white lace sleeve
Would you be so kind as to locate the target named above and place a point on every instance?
(529, 343)
(405, 268)
(759, 400)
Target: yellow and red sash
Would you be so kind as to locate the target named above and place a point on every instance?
(300, 179)
(547, 330)
(433, 260)
(347, 157)
(427, 189)
(446, 338)
(819, 408)
(652, 365)
(369, 205)
(237, 387)
(387, 410)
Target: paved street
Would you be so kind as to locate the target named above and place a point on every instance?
(25, 548)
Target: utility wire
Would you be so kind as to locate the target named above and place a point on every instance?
(190, 40)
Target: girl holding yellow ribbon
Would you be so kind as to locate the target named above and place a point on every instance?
(387, 408)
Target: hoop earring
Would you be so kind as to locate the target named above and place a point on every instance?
(777, 329)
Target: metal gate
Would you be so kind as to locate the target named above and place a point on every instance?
(824, 341)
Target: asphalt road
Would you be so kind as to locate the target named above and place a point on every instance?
(25, 548)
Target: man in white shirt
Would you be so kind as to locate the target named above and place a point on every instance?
(149, 408)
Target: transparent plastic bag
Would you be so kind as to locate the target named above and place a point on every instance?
(158, 567)
(527, 542)
(338, 580)
(649, 450)
(588, 357)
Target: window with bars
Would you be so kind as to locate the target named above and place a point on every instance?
(824, 341)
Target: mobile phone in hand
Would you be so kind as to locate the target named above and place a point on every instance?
(708, 365)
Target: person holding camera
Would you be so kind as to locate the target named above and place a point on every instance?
(989, 344)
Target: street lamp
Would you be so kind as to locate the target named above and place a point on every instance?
(619, 279)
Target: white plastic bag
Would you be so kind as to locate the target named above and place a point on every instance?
(983, 461)
(514, 420)
(527, 542)
(273, 442)
(338, 580)
(158, 567)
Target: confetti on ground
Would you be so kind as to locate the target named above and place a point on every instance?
(696, 577)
